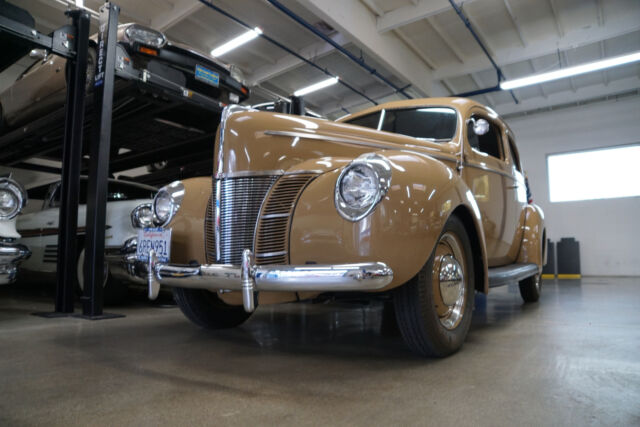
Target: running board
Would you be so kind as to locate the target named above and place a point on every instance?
(499, 276)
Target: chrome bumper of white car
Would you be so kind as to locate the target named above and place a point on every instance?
(11, 254)
(249, 277)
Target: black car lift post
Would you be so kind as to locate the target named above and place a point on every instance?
(71, 164)
(99, 164)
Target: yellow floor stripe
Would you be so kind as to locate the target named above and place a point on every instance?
(548, 276)
(569, 276)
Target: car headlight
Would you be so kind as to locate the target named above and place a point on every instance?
(167, 202)
(361, 186)
(142, 216)
(12, 198)
(146, 36)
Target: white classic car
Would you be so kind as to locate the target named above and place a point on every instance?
(12, 200)
(128, 208)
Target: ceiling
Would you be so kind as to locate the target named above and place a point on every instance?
(422, 45)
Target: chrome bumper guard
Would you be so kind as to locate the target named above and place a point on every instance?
(10, 255)
(249, 277)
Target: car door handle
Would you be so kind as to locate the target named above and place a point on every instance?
(512, 187)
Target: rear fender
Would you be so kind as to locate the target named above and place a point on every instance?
(533, 248)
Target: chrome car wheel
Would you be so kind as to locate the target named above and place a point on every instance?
(448, 280)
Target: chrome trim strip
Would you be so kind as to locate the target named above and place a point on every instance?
(270, 254)
(488, 169)
(250, 277)
(279, 215)
(275, 172)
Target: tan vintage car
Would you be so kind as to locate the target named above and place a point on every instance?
(421, 201)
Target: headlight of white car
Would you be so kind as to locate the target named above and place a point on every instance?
(146, 36)
(142, 216)
(12, 198)
(167, 202)
(361, 186)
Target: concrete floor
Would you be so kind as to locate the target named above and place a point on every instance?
(572, 359)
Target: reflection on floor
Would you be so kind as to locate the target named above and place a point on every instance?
(572, 359)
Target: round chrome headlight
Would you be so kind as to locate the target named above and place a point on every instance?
(142, 216)
(12, 198)
(167, 202)
(361, 186)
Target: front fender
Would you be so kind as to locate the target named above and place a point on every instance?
(403, 229)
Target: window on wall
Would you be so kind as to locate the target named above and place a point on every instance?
(596, 174)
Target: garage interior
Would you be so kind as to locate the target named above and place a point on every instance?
(572, 358)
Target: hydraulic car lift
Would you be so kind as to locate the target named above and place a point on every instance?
(154, 118)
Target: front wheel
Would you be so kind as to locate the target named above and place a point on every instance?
(530, 288)
(434, 308)
(206, 310)
(114, 291)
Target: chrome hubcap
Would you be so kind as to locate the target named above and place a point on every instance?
(449, 281)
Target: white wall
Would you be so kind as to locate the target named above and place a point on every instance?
(608, 230)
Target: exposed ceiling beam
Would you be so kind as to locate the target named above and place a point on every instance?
(514, 21)
(358, 24)
(481, 85)
(546, 45)
(565, 57)
(585, 93)
(371, 4)
(427, 60)
(181, 9)
(556, 18)
(411, 13)
(603, 54)
(600, 13)
(290, 62)
(447, 42)
(540, 86)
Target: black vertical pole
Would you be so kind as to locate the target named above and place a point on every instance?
(72, 157)
(99, 162)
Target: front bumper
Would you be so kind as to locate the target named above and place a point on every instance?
(10, 256)
(249, 277)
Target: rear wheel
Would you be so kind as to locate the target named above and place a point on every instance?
(206, 310)
(434, 308)
(530, 288)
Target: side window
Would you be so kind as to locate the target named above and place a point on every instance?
(368, 121)
(53, 195)
(514, 154)
(488, 143)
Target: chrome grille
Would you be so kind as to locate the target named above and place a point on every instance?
(209, 233)
(240, 202)
(272, 237)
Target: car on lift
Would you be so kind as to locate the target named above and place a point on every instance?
(12, 200)
(128, 208)
(143, 55)
(422, 201)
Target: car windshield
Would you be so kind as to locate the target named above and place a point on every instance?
(427, 123)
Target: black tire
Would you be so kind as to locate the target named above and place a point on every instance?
(114, 291)
(420, 308)
(530, 288)
(206, 310)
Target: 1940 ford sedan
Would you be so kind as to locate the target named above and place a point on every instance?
(423, 201)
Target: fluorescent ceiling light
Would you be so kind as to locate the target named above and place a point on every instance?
(570, 71)
(238, 41)
(80, 3)
(316, 86)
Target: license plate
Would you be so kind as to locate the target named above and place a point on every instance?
(158, 239)
(206, 75)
